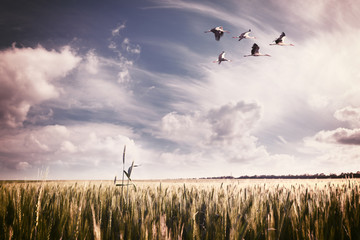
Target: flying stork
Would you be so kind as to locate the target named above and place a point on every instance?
(218, 31)
(280, 41)
(245, 35)
(255, 52)
(221, 58)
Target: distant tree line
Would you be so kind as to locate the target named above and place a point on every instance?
(303, 176)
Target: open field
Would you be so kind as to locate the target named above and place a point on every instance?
(181, 209)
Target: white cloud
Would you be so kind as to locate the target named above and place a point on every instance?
(220, 133)
(124, 76)
(116, 31)
(67, 146)
(27, 76)
(86, 146)
(129, 47)
(95, 85)
(112, 45)
(350, 115)
(92, 62)
(126, 48)
(190, 129)
(23, 166)
(31, 141)
(230, 121)
(216, 125)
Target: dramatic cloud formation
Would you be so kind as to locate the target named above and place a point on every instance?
(89, 146)
(221, 125)
(222, 131)
(27, 77)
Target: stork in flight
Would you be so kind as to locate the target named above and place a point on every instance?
(218, 31)
(255, 52)
(245, 35)
(280, 41)
(221, 58)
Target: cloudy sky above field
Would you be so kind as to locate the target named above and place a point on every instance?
(81, 79)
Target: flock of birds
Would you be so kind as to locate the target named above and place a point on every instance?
(219, 32)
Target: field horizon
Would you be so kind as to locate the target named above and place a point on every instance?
(181, 209)
(348, 175)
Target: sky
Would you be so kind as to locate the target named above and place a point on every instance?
(79, 80)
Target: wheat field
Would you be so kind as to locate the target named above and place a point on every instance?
(181, 209)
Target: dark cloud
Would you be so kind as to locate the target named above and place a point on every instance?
(345, 136)
(351, 137)
(340, 136)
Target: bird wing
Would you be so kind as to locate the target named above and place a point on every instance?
(221, 55)
(217, 35)
(280, 39)
(220, 34)
(218, 31)
(241, 36)
(255, 49)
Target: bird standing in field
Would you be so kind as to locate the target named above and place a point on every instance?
(218, 31)
(245, 35)
(280, 41)
(221, 58)
(255, 52)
